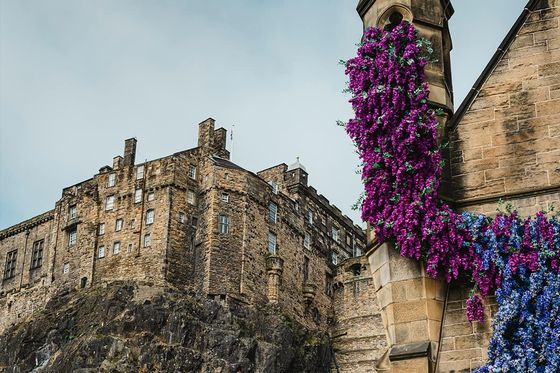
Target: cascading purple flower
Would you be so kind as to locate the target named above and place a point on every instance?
(395, 133)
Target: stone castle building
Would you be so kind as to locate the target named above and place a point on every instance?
(192, 220)
(197, 221)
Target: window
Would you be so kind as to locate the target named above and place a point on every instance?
(272, 246)
(101, 252)
(147, 240)
(226, 176)
(66, 268)
(272, 213)
(356, 251)
(138, 195)
(109, 203)
(309, 216)
(101, 229)
(223, 224)
(140, 172)
(129, 247)
(150, 216)
(37, 254)
(151, 196)
(72, 212)
(194, 222)
(10, 267)
(335, 234)
(116, 247)
(182, 217)
(190, 197)
(72, 237)
(224, 197)
(112, 180)
(192, 171)
(274, 186)
(305, 269)
(348, 240)
(307, 241)
(329, 284)
(118, 225)
(334, 258)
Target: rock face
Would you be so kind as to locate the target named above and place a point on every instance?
(125, 327)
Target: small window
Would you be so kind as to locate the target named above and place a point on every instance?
(223, 224)
(334, 232)
(112, 180)
(138, 195)
(101, 252)
(226, 176)
(329, 289)
(10, 266)
(307, 241)
(334, 258)
(348, 240)
(101, 229)
(83, 282)
(272, 243)
(150, 216)
(194, 222)
(274, 186)
(147, 240)
(116, 248)
(66, 268)
(119, 225)
(356, 251)
(109, 203)
(309, 217)
(72, 212)
(151, 196)
(191, 197)
(140, 172)
(305, 269)
(72, 237)
(224, 197)
(272, 213)
(182, 217)
(192, 172)
(37, 254)
(129, 247)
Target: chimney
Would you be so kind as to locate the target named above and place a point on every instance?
(117, 162)
(129, 152)
(206, 133)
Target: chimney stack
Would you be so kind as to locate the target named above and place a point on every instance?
(129, 152)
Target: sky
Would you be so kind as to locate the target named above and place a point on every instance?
(77, 77)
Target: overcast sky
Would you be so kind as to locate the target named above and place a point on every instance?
(78, 77)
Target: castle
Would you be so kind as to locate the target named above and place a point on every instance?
(197, 221)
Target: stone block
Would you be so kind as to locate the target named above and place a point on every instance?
(410, 311)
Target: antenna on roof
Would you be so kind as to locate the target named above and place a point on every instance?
(232, 143)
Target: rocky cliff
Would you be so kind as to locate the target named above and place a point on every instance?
(124, 327)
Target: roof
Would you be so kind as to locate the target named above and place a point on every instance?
(225, 163)
(296, 165)
(531, 6)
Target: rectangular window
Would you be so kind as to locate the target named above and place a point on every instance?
(335, 234)
(348, 240)
(329, 284)
(274, 186)
(72, 237)
(305, 269)
(101, 229)
(182, 217)
(224, 197)
(37, 254)
(129, 247)
(101, 252)
(118, 225)
(272, 213)
(66, 268)
(109, 203)
(194, 222)
(223, 224)
(138, 195)
(112, 180)
(307, 241)
(192, 172)
(116, 248)
(72, 212)
(150, 216)
(334, 258)
(10, 266)
(356, 251)
(140, 172)
(147, 240)
(309, 217)
(151, 196)
(190, 197)
(272, 243)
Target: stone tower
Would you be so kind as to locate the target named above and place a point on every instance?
(412, 303)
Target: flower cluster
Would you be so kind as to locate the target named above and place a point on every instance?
(395, 133)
